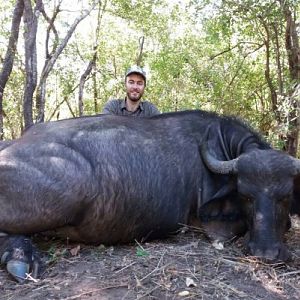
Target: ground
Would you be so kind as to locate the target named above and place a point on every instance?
(185, 266)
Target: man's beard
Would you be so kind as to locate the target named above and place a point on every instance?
(134, 98)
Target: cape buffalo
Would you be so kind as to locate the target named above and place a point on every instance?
(112, 179)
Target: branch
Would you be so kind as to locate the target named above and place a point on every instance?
(83, 78)
(235, 46)
(40, 97)
(65, 99)
(51, 27)
(140, 55)
(92, 63)
(64, 42)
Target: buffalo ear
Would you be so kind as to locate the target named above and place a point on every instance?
(227, 191)
(295, 207)
(222, 219)
(222, 198)
(221, 207)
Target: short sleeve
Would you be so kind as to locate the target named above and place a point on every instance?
(154, 110)
(110, 107)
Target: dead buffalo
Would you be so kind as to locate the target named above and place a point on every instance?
(112, 179)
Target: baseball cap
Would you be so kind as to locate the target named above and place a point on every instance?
(136, 69)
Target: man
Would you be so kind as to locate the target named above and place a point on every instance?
(135, 82)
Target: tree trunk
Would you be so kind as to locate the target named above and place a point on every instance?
(95, 92)
(268, 77)
(82, 81)
(293, 52)
(30, 29)
(10, 55)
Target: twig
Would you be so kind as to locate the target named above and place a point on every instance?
(288, 273)
(148, 292)
(140, 245)
(41, 287)
(233, 262)
(95, 290)
(156, 268)
(125, 267)
(224, 286)
(29, 277)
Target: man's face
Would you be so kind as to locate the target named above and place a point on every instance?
(135, 85)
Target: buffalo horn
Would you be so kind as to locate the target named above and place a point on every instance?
(218, 166)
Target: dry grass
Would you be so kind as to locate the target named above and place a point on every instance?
(185, 266)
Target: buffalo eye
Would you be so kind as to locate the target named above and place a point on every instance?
(246, 199)
(284, 198)
(284, 201)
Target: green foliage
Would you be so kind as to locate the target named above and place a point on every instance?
(55, 253)
(199, 54)
(13, 105)
(142, 14)
(140, 251)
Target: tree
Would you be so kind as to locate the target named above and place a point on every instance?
(293, 53)
(263, 33)
(31, 18)
(9, 56)
(232, 56)
(92, 63)
(49, 63)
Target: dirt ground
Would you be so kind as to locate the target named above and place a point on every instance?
(185, 266)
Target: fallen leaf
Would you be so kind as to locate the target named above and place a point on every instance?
(218, 245)
(190, 282)
(194, 244)
(74, 251)
(183, 293)
(138, 282)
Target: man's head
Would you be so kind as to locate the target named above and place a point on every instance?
(135, 82)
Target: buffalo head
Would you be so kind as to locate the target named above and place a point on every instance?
(264, 185)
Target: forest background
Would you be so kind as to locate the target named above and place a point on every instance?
(64, 58)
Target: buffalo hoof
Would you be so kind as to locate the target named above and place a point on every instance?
(18, 269)
(20, 258)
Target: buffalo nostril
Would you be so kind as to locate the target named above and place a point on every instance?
(275, 252)
(251, 248)
(271, 254)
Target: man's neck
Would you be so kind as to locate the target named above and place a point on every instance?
(132, 105)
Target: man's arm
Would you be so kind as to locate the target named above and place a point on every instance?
(153, 110)
(110, 107)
